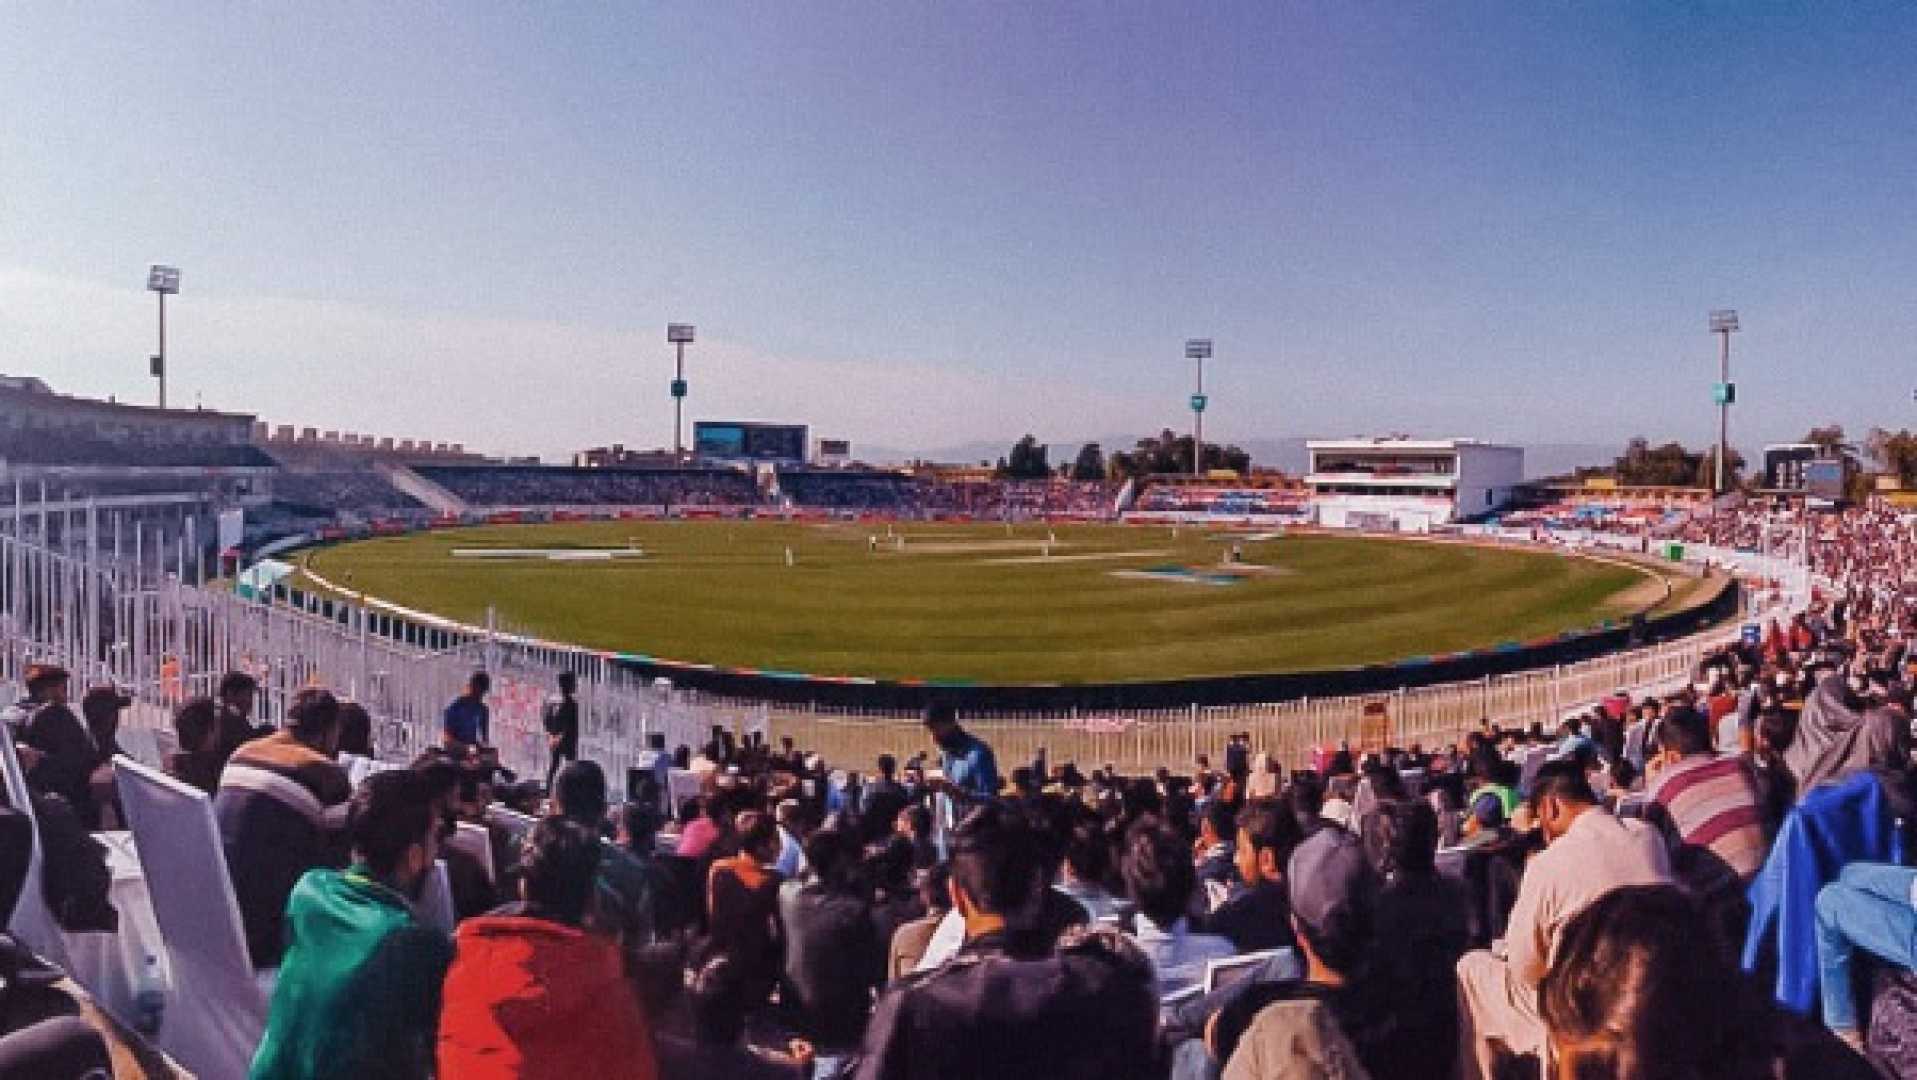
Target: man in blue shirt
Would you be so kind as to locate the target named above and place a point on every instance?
(467, 721)
(971, 769)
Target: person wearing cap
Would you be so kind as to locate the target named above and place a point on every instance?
(67, 753)
(971, 769)
(1588, 853)
(1310, 1027)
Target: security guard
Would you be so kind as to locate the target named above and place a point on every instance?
(1005, 1007)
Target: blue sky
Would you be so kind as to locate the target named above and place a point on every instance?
(918, 225)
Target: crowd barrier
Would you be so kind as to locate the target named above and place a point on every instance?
(163, 634)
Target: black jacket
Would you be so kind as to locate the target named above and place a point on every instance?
(1086, 1012)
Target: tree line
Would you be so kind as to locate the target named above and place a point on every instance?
(1165, 453)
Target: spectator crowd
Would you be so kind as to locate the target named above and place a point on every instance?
(1704, 881)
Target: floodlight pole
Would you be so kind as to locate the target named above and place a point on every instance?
(1723, 323)
(162, 280)
(162, 371)
(679, 335)
(1198, 349)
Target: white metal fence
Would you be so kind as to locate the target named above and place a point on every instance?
(138, 614)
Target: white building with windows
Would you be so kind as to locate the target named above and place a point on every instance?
(1400, 484)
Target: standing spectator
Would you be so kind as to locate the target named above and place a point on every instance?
(467, 722)
(1588, 853)
(530, 994)
(237, 695)
(358, 995)
(1160, 879)
(1084, 1011)
(561, 721)
(280, 806)
(653, 903)
(971, 769)
(1259, 917)
(742, 898)
(101, 706)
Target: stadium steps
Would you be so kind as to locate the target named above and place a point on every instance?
(435, 497)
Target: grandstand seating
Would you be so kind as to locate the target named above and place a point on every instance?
(535, 485)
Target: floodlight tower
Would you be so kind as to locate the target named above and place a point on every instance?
(163, 281)
(1198, 349)
(679, 335)
(1723, 324)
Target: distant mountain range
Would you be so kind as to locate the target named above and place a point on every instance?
(1540, 459)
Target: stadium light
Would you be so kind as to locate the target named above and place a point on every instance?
(163, 281)
(1723, 323)
(1198, 349)
(679, 335)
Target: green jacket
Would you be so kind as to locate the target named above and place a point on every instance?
(358, 991)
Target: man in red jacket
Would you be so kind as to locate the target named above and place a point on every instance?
(531, 994)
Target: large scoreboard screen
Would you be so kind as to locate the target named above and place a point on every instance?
(734, 440)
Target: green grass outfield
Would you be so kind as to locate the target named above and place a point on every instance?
(981, 602)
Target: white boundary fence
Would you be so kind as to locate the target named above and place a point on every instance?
(126, 616)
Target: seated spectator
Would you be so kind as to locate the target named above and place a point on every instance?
(530, 993)
(704, 831)
(910, 941)
(1588, 853)
(1160, 878)
(1081, 1012)
(1088, 864)
(280, 805)
(791, 855)
(1217, 870)
(718, 1047)
(1259, 917)
(833, 956)
(197, 762)
(1870, 906)
(915, 824)
(238, 692)
(652, 905)
(1636, 990)
(742, 900)
(358, 994)
(1494, 792)
(1422, 931)
(1309, 1028)
(1707, 805)
(355, 730)
(65, 748)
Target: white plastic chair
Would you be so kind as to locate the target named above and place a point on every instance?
(217, 1013)
(477, 841)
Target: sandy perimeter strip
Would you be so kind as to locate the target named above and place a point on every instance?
(1089, 556)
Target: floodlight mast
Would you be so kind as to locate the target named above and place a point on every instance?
(1198, 349)
(1723, 323)
(679, 335)
(162, 281)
